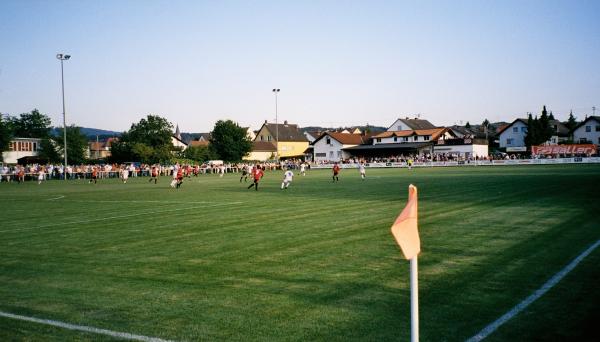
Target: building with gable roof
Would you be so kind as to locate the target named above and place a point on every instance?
(330, 146)
(407, 124)
(288, 139)
(588, 131)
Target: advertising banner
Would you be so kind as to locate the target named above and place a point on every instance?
(564, 149)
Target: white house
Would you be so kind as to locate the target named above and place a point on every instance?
(21, 147)
(512, 137)
(462, 147)
(410, 124)
(588, 131)
(413, 136)
(329, 146)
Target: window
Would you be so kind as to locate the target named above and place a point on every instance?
(416, 138)
(330, 154)
(509, 141)
(399, 128)
(328, 141)
(588, 128)
(269, 138)
(597, 128)
(524, 129)
(262, 138)
(34, 146)
(378, 139)
(427, 137)
(339, 154)
(321, 155)
(395, 139)
(405, 139)
(515, 129)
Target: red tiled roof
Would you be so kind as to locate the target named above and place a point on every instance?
(434, 133)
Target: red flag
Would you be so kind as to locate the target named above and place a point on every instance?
(405, 229)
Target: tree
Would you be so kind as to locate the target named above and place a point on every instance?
(31, 125)
(468, 125)
(77, 144)
(551, 116)
(48, 151)
(5, 135)
(148, 141)
(545, 130)
(571, 122)
(229, 141)
(531, 136)
(198, 153)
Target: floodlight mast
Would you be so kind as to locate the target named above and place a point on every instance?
(276, 91)
(63, 57)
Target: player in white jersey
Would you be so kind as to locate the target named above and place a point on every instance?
(361, 169)
(303, 169)
(288, 176)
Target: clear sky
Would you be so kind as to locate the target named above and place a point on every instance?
(337, 63)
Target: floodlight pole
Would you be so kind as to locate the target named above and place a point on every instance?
(63, 57)
(276, 91)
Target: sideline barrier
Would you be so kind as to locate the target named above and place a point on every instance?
(464, 163)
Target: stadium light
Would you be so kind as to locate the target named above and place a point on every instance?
(276, 91)
(63, 57)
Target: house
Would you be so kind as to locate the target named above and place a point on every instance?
(462, 147)
(202, 140)
(176, 140)
(289, 141)
(413, 136)
(561, 133)
(21, 147)
(512, 136)
(330, 146)
(261, 151)
(588, 131)
(405, 142)
(100, 149)
(410, 124)
(311, 136)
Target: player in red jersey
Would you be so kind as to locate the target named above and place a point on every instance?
(179, 177)
(257, 174)
(336, 171)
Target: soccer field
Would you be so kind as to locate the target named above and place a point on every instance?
(316, 262)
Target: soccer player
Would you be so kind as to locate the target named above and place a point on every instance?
(303, 169)
(179, 177)
(244, 173)
(257, 174)
(287, 179)
(41, 175)
(94, 176)
(361, 169)
(336, 171)
(124, 174)
(153, 174)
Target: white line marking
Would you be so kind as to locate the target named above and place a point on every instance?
(117, 217)
(537, 294)
(55, 198)
(84, 328)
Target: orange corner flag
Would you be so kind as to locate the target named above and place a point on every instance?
(405, 227)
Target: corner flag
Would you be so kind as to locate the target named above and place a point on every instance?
(405, 227)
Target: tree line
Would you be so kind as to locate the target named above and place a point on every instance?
(147, 141)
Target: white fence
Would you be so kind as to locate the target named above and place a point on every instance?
(576, 160)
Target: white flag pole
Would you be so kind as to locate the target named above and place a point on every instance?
(414, 300)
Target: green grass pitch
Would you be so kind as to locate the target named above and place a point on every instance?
(316, 262)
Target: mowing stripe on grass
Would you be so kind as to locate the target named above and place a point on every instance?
(84, 328)
(537, 294)
(116, 217)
